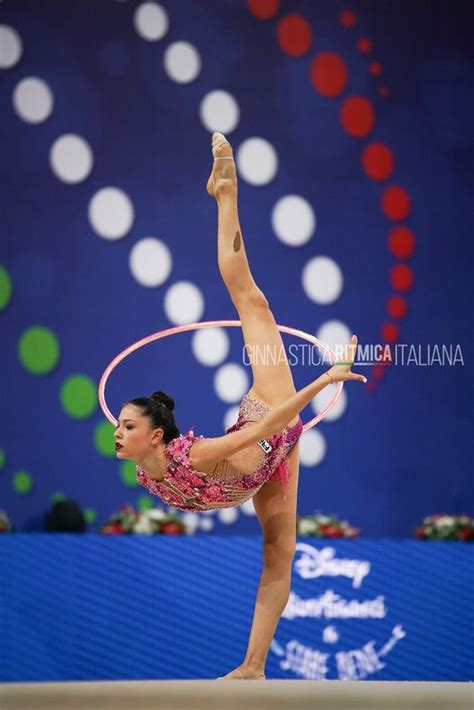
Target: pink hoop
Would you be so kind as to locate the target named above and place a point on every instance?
(213, 324)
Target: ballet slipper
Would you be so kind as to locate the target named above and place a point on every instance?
(218, 140)
(236, 674)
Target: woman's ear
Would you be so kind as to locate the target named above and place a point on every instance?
(157, 437)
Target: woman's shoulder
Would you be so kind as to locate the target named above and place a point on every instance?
(178, 448)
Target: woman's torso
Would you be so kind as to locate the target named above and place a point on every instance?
(234, 480)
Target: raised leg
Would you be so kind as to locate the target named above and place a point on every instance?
(272, 378)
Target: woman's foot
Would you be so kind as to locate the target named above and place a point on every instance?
(223, 176)
(242, 674)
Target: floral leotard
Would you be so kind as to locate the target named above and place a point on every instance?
(234, 480)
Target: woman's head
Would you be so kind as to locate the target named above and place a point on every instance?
(144, 423)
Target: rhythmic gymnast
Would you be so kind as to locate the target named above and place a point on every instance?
(258, 456)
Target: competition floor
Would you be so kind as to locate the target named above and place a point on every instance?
(235, 694)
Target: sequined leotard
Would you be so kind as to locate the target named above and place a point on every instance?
(235, 479)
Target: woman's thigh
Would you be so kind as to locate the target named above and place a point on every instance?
(277, 516)
(264, 349)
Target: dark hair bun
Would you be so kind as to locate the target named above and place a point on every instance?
(163, 398)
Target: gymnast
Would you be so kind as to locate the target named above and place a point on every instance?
(258, 456)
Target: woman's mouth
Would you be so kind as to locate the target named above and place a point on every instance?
(118, 447)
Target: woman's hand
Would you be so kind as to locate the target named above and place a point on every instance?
(342, 373)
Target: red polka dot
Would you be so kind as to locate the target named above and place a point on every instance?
(328, 74)
(370, 387)
(347, 19)
(377, 161)
(263, 9)
(357, 116)
(375, 69)
(401, 277)
(294, 35)
(383, 91)
(364, 45)
(395, 203)
(378, 371)
(397, 307)
(390, 332)
(401, 242)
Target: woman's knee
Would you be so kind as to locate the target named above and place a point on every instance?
(279, 553)
(251, 298)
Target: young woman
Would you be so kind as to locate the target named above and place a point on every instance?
(258, 456)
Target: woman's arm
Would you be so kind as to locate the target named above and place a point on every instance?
(207, 452)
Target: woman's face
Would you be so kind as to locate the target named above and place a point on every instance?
(134, 437)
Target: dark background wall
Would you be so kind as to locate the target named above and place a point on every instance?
(75, 288)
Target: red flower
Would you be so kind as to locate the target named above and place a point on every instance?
(331, 531)
(170, 529)
(113, 529)
(466, 534)
(420, 533)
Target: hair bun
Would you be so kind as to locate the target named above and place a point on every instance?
(163, 398)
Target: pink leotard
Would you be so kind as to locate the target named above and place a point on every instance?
(234, 480)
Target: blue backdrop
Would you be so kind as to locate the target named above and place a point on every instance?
(356, 205)
(164, 608)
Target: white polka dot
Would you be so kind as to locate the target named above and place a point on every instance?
(312, 447)
(322, 280)
(227, 516)
(182, 62)
(33, 100)
(257, 161)
(151, 21)
(150, 262)
(231, 382)
(293, 220)
(111, 213)
(322, 399)
(219, 111)
(335, 334)
(183, 303)
(210, 346)
(190, 520)
(71, 158)
(11, 47)
(231, 416)
(207, 524)
(248, 507)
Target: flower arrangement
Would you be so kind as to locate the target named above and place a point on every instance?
(446, 527)
(319, 525)
(147, 522)
(5, 524)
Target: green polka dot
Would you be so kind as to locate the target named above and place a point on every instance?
(22, 482)
(57, 497)
(145, 503)
(90, 515)
(38, 350)
(3, 458)
(5, 288)
(104, 439)
(128, 473)
(79, 396)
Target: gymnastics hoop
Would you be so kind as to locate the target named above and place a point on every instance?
(212, 324)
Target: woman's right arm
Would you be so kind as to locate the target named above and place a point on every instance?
(208, 452)
(280, 416)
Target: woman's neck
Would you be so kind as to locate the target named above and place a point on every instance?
(154, 463)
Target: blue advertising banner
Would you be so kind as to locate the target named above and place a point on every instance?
(89, 607)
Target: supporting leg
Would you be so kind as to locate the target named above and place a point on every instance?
(278, 520)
